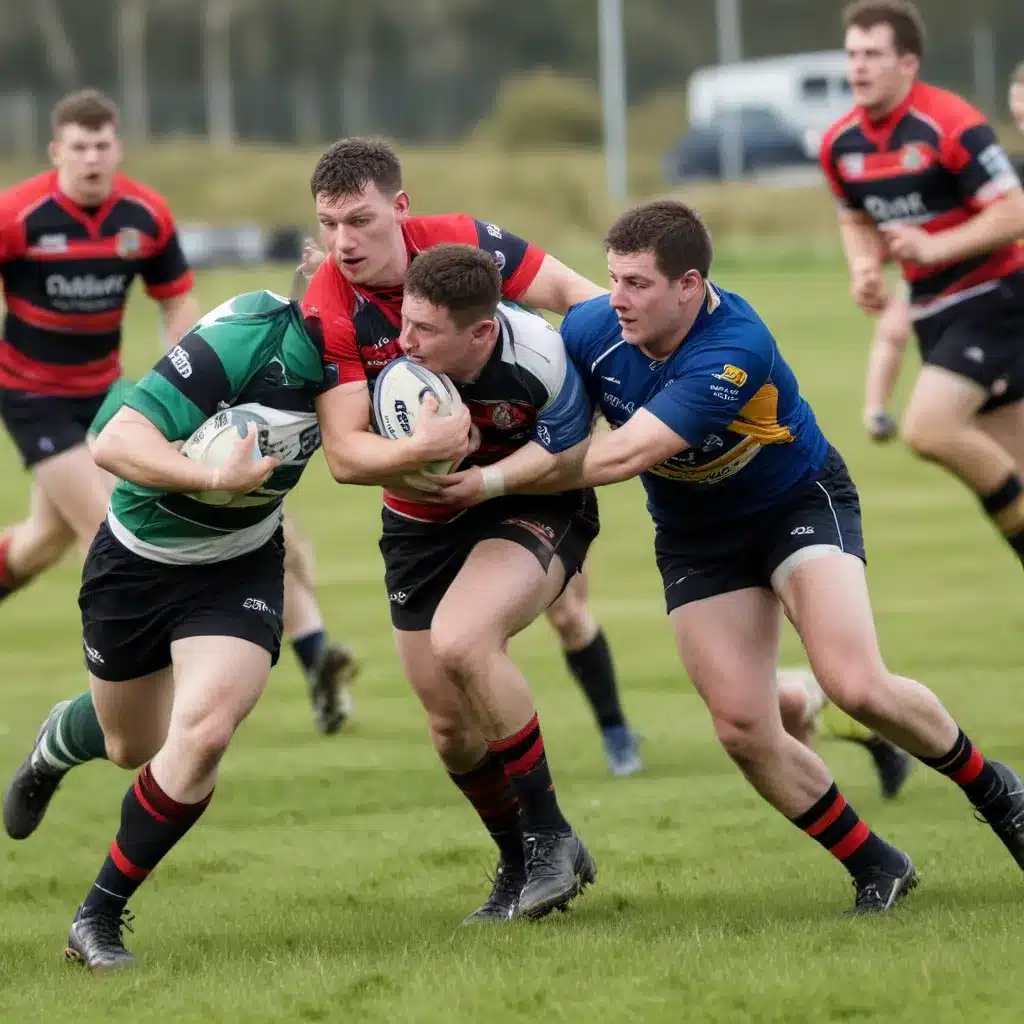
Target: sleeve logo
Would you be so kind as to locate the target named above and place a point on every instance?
(179, 359)
(732, 374)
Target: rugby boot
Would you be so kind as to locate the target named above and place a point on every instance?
(1010, 826)
(32, 787)
(94, 941)
(329, 688)
(500, 906)
(622, 751)
(892, 763)
(879, 891)
(558, 868)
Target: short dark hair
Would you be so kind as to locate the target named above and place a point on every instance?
(352, 164)
(901, 16)
(673, 231)
(86, 107)
(462, 279)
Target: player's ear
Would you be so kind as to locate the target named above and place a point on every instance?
(51, 150)
(401, 204)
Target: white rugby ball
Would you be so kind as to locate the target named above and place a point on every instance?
(397, 394)
(213, 442)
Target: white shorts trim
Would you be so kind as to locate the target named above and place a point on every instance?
(785, 568)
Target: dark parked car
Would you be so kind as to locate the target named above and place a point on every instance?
(766, 142)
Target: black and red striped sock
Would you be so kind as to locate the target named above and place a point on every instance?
(526, 767)
(487, 788)
(968, 768)
(151, 823)
(838, 827)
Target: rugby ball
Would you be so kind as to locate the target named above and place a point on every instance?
(397, 394)
(213, 442)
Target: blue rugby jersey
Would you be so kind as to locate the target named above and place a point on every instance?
(726, 391)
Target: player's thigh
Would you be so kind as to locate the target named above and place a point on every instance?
(134, 715)
(1005, 425)
(827, 601)
(217, 682)
(522, 558)
(728, 645)
(77, 487)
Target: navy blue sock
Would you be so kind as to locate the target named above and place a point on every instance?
(307, 649)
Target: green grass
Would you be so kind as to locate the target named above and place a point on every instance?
(329, 876)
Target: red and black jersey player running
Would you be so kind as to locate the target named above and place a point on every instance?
(921, 178)
(71, 241)
(356, 293)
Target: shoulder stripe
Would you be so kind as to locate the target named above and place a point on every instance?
(606, 352)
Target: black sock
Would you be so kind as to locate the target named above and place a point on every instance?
(308, 649)
(151, 823)
(487, 788)
(526, 766)
(968, 768)
(595, 672)
(1005, 507)
(838, 827)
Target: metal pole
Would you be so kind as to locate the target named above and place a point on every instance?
(613, 97)
(729, 22)
(986, 87)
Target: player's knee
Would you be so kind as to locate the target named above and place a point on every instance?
(859, 690)
(573, 621)
(126, 752)
(925, 438)
(460, 652)
(205, 737)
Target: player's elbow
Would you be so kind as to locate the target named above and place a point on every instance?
(108, 449)
(340, 468)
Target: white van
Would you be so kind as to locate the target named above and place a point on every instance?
(807, 90)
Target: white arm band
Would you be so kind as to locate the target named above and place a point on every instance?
(494, 481)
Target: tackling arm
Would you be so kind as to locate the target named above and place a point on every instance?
(557, 287)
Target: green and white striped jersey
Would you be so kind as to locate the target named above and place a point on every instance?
(252, 350)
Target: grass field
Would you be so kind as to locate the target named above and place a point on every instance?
(328, 879)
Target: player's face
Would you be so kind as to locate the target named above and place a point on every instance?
(430, 337)
(879, 76)
(1017, 104)
(363, 234)
(86, 160)
(651, 307)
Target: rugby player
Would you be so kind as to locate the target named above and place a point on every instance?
(181, 599)
(357, 294)
(755, 514)
(364, 210)
(327, 666)
(71, 242)
(920, 177)
(894, 325)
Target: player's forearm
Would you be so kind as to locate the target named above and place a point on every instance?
(883, 371)
(861, 243)
(366, 459)
(140, 454)
(178, 316)
(996, 226)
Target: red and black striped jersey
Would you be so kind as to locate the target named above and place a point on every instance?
(361, 325)
(935, 162)
(66, 274)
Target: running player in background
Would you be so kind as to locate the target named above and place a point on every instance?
(894, 325)
(181, 599)
(365, 223)
(71, 242)
(921, 178)
(755, 514)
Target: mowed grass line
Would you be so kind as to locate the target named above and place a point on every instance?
(328, 879)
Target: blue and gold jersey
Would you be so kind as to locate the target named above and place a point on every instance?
(726, 391)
